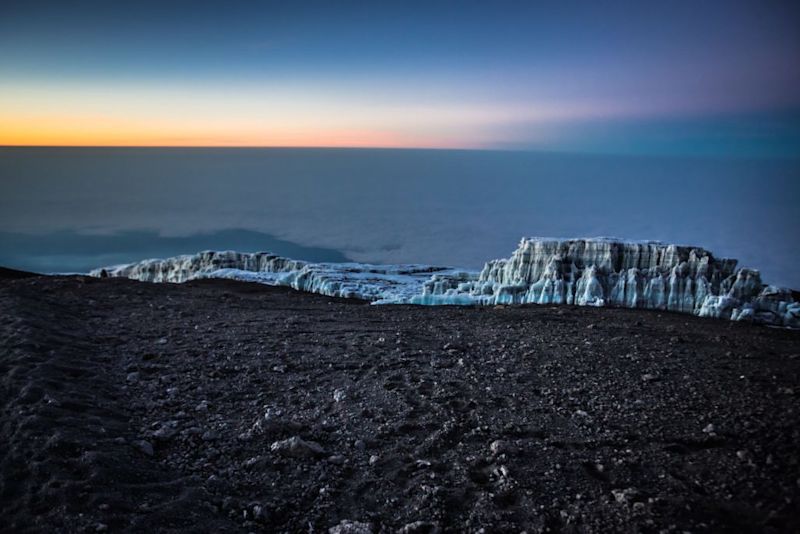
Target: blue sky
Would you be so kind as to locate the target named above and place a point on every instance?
(721, 78)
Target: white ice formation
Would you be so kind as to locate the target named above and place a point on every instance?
(377, 283)
(583, 272)
(614, 272)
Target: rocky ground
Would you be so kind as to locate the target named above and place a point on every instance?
(219, 406)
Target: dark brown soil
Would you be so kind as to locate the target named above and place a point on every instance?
(513, 418)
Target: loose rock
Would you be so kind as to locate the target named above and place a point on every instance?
(296, 447)
(144, 446)
(351, 527)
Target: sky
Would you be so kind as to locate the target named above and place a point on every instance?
(719, 78)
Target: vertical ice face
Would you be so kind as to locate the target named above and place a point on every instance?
(600, 272)
(583, 272)
(183, 268)
(631, 274)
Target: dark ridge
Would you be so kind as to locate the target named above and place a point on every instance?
(14, 274)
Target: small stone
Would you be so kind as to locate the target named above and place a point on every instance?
(250, 462)
(500, 447)
(420, 527)
(132, 377)
(374, 459)
(100, 527)
(360, 445)
(166, 432)
(209, 435)
(623, 496)
(709, 428)
(297, 448)
(581, 413)
(144, 446)
(214, 482)
(351, 527)
(649, 377)
(162, 341)
(336, 459)
(202, 406)
(339, 395)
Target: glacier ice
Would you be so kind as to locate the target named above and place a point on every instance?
(583, 272)
(616, 272)
(376, 283)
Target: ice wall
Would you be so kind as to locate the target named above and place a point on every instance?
(583, 272)
(376, 283)
(615, 272)
(188, 267)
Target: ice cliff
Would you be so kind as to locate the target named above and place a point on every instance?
(614, 272)
(376, 283)
(583, 272)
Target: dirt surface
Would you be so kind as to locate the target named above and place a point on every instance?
(219, 406)
(14, 274)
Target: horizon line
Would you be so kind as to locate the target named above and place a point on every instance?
(331, 147)
(543, 151)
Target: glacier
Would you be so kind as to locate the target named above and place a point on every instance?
(380, 284)
(621, 273)
(597, 271)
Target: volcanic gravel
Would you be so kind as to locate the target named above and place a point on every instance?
(220, 406)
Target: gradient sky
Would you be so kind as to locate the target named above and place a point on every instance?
(681, 77)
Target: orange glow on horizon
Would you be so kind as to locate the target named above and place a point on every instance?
(110, 132)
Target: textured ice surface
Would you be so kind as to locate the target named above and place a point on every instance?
(376, 283)
(584, 272)
(615, 272)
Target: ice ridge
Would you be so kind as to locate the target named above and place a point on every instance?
(377, 283)
(584, 272)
